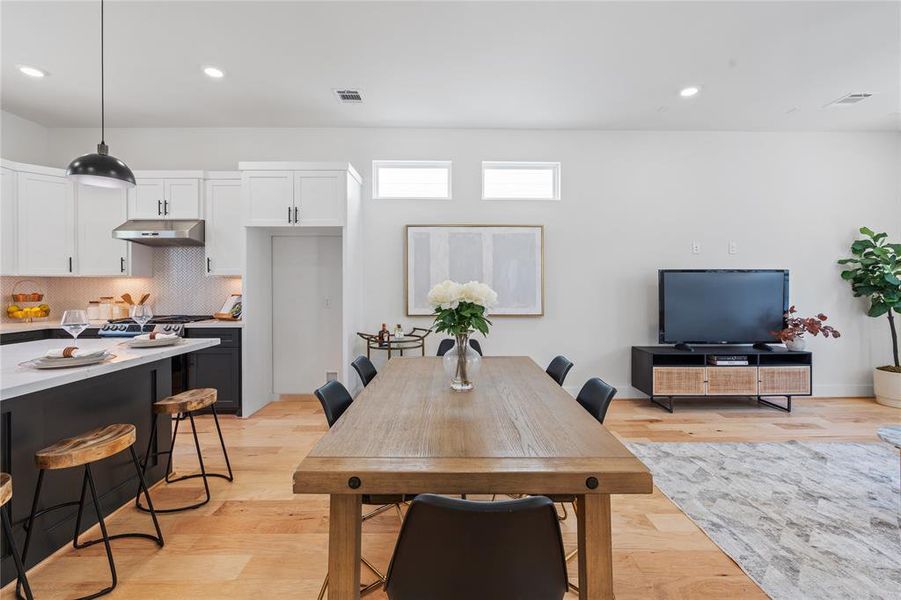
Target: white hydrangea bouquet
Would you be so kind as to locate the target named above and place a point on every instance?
(460, 310)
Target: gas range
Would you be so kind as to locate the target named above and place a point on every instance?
(160, 324)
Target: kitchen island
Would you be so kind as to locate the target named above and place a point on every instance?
(40, 407)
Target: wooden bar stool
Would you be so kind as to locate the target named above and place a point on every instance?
(182, 406)
(84, 450)
(6, 494)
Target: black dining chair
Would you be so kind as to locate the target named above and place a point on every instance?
(595, 397)
(365, 369)
(335, 400)
(447, 343)
(450, 549)
(559, 369)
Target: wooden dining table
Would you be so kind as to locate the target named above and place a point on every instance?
(517, 432)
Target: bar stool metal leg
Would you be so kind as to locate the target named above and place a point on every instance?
(229, 477)
(105, 536)
(30, 523)
(21, 576)
(203, 474)
(228, 464)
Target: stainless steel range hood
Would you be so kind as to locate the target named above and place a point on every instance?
(161, 233)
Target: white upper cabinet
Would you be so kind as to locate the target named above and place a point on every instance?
(145, 200)
(288, 194)
(8, 237)
(182, 199)
(165, 195)
(99, 211)
(223, 226)
(268, 198)
(319, 198)
(46, 224)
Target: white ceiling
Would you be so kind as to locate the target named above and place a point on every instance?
(605, 65)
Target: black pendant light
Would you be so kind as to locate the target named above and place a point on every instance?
(101, 169)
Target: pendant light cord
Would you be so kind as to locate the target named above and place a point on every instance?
(102, 99)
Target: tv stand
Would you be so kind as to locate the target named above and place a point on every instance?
(763, 347)
(665, 373)
(684, 347)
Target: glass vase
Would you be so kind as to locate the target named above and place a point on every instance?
(462, 364)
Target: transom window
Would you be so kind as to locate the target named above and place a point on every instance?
(520, 180)
(417, 179)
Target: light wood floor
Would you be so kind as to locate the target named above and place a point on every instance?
(257, 540)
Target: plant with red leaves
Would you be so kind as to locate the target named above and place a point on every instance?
(796, 327)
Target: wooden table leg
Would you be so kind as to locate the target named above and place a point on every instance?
(595, 547)
(345, 521)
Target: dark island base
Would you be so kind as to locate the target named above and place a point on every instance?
(34, 421)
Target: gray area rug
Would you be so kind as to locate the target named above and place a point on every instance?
(803, 520)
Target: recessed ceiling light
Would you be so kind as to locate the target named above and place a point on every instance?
(688, 92)
(31, 71)
(214, 72)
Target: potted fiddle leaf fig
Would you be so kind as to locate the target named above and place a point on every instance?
(874, 272)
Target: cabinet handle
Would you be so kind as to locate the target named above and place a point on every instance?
(208, 269)
(165, 207)
(159, 207)
(122, 264)
(295, 214)
(289, 214)
(70, 264)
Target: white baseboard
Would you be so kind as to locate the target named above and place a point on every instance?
(840, 390)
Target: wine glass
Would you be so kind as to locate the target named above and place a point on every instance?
(74, 322)
(140, 314)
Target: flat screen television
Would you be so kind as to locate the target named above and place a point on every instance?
(719, 306)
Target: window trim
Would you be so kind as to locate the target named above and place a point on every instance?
(377, 164)
(556, 167)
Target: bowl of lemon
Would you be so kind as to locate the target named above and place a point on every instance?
(27, 313)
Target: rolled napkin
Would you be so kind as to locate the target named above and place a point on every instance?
(155, 336)
(74, 352)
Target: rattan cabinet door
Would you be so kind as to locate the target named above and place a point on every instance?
(784, 380)
(731, 381)
(680, 381)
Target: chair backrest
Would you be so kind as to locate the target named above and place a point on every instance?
(595, 397)
(447, 343)
(365, 369)
(450, 549)
(559, 369)
(335, 399)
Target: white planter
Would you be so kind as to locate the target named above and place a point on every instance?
(796, 345)
(887, 387)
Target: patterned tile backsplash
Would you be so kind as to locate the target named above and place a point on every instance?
(179, 286)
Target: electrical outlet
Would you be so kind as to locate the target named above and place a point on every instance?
(733, 247)
(696, 247)
(327, 303)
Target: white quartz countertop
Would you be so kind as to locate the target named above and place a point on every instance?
(17, 381)
(54, 324)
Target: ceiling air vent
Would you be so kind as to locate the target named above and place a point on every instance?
(849, 99)
(349, 96)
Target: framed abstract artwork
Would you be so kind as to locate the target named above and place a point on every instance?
(509, 258)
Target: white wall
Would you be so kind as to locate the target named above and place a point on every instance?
(22, 140)
(631, 203)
